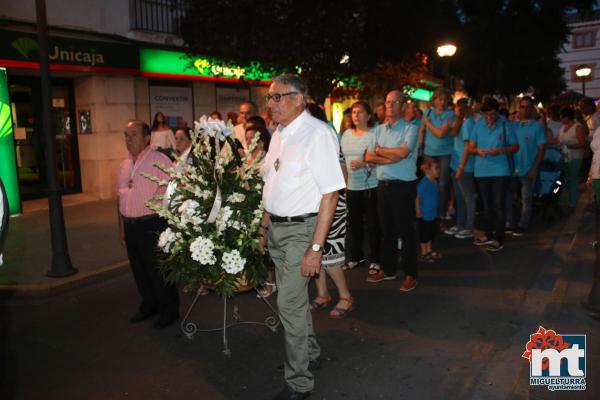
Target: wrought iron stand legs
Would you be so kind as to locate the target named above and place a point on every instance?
(190, 328)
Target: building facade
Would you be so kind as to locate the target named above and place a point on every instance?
(124, 60)
(583, 50)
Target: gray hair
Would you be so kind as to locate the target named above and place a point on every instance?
(398, 93)
(296, 82)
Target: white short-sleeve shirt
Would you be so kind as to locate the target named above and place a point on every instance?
(301, 166)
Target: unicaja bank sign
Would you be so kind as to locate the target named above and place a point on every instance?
(88, 57)
(21, 50)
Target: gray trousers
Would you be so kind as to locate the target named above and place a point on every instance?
(288, 241)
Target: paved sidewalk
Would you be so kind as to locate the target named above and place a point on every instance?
(93, 241)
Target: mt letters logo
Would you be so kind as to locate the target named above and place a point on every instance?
(556, 361)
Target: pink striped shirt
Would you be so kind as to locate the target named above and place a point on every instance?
(131, 199)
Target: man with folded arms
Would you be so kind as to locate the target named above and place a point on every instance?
(394, 151)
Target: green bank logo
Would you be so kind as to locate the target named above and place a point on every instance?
(25, 46)
(5, 121)
(68, 53)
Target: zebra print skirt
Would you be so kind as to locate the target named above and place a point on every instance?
(334, 251)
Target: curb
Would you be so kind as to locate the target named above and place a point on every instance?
(64, 284)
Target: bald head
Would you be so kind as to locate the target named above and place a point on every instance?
(137, 136)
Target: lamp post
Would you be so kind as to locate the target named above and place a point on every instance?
(61, 261)
(446, 50)
(583, 71)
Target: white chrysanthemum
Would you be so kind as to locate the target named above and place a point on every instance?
(202, 250)
(188, 206)
(223, 218)
(188, 212)
(236, 198)
(232, 262)
(166, 239)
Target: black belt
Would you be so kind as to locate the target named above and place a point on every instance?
(297, 218)
(137, 220)
(389, 182)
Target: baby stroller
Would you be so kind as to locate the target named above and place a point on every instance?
(549, 182)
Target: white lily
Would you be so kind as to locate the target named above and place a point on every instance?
(213, 128)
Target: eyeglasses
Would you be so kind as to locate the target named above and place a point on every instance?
(276, 97)
(392, 102)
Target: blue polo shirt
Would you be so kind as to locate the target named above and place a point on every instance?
(530, 135)
(394, 136)
(416, 122)
(435, 146)
(427, 190)
(485, 137)
(354, 148)
(459, 146)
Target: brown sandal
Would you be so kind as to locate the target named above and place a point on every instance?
(339, 312)
(316, 305)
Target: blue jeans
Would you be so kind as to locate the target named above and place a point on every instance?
(464, 191)
(526, 185)
(443, 183)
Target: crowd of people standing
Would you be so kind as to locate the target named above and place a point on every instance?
(386, 184)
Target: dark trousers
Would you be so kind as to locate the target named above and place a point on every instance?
(396, 208)
(493, 191)
(141, 238)
(362, 204)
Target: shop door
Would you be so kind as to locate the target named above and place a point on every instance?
(25, 95)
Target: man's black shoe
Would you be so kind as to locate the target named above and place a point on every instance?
(313, 365)
(141, 316)
(290, 394)
(162, 323)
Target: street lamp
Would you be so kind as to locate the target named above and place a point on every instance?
(583, 71)
(446, 50)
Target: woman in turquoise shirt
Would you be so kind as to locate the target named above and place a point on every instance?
(438, 140)
(493, 143)
(362, 186)
(461, 164)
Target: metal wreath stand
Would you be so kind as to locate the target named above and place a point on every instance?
(190, 328)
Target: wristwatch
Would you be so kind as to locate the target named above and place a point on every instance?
(316, 247)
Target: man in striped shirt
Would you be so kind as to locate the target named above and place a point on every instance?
(140, 226)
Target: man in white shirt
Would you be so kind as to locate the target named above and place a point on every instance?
(247, 109)
(302, 175)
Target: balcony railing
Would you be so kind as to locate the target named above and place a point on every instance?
(163, 16)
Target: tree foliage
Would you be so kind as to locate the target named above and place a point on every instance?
(505, 46)
(512, 46)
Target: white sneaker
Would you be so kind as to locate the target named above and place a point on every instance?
(464, 234)
(452, 231)
(374, 266)
(351, 264)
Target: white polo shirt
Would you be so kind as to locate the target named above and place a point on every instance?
(302, 165)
